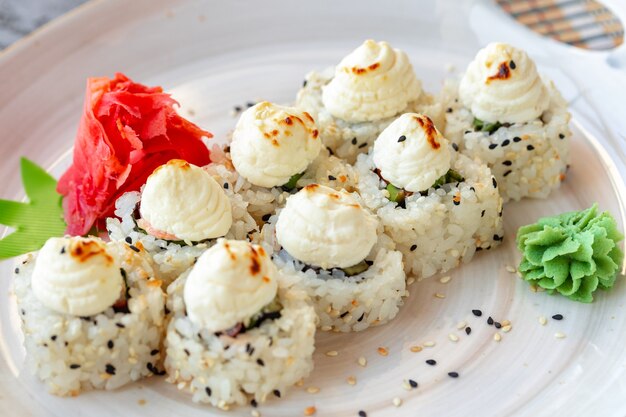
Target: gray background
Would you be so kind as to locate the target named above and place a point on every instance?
(20, 17)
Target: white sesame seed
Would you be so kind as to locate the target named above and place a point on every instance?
(445, 280)
(299, 383)
(362, 361)
(497, 337)
(505, 322)
(506, 328)
(312, 390)
(410, 281)
(533, 288)
(332, 353)
(559, 335)
(453, 337)
(461, 325)
(511, 269)
(406, 385)
(543, 320)
(430, 343)
(519, 274)
(440, 295)
(351, 380)
(255, 413)
(416, 349)
(397, 401)
(326, 328)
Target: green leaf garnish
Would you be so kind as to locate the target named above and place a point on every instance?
(356, 269)
(449, 177)
(293, 182)
(395, 194)
(36, 221)
(481, 126)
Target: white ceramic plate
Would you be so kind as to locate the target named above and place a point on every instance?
(213, 56)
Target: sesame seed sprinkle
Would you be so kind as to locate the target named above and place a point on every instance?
(445, 280)
(517, 139)
(276, 393)
(497, 337)
(382, 351)
(410, 281)
(351, 380)
(506, 328)
(559, 335)
(498, 325)
(332, 353)
(354, 141)
(431, 362)
(558, 317)
(430, 343)
(255, 413)
(543, 320)
(505, 142)
(362, 361)
(453, 374)
(453, 337)
(530, 147)
(415, 349)
(412, 383)
(461, 325)
(493, 146)
(401, 138)
(468, 330)
(477, 313)
(312, 390)
(440, 295)
(362, 413)
(511, 269)
(490, 321)
(309, 411)
(413, 247)
(396, 401)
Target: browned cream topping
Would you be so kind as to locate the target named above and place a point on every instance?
(83, 250)
(430, 130)
(504, 73)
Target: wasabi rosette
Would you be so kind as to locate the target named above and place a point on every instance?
(274, 151)
(92, 314)
(438, 206)
(236, 335)
(514, 120)
(325, 243)
(179, 213)
(354, 101)
(573, 254)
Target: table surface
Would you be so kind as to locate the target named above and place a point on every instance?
(20, 17)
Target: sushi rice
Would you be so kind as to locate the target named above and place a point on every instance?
(528, 159)
(72, 354)
(260, 363)
(438, 231)
(342, 303)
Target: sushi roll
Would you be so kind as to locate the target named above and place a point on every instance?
(504, 113)
(325, 243)
(438, 206)
(357, 99)
(92, 314)
(274, 151)
(179, 213)
(235, 335)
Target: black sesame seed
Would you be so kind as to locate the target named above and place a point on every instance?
(154, 352)
(455, 147)
(507, 173)
(369, 263)
(561, 136)
(431, 362)
(253, 403)
(129, 240)
(482, 214)
(208, 391)
(558, 317)
(468, 131)
(453, 374)
(507, 163)
(468, 330)
(413, 247)
(354, 141)
(250, 104)
(120, 325)
(74, 366)
(490, 321)
(512, 65)
(517, 139)
(362, 413)
(449, 110)
(477, 313)
(412, 383)
(497, 324)
(363, 145)
(17, 271)
(133, 247)
(505, 142)
(53, 337)
(62, 250)
(110, 369)
(151, 368)
(342, 315)
(304, 83)
(494, 182)
(361, 318)
(66, 344)
(493, 146)
(23, 312)
(166, 310)
(277, 393)
(226, 186)
(45, 345)
(266, 217)
(260, 362)
(110, 344)
(331, 178)
(530, 147)
(402, 138)
(237, 108)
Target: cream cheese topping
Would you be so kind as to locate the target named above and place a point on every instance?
(272, 143)
(502, 85)
(326, 228)
(77, 276)
(373, 82)
(185, 202)
(411, 153)
(229, 283)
